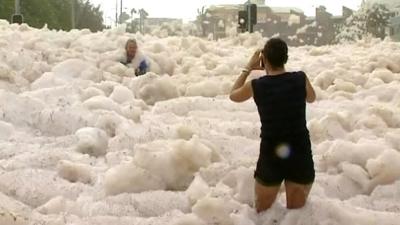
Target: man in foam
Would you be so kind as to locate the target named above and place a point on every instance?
(135, 58)
(285, 149)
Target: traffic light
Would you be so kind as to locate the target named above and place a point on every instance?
(17, 18)
(242, 20)
(248, 17)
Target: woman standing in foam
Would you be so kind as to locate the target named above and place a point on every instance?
(285, 149)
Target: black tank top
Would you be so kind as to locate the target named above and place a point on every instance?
(281, 104)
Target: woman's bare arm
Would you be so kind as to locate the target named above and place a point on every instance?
(310, 91)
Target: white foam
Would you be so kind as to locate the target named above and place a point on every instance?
(131, 178)
(385, 168)
(121, 94)
(169, 147)
(74, 172)
(174, 162)
(152, 88)
(102, 103)
(6, 130)
(92, 141)
(197, 189)
(213, 210)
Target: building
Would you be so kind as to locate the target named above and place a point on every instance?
(289, 23)
(395, 28)
(282, 22)
(258, 2)
(270, 20)
(159, 21)
(151, 23)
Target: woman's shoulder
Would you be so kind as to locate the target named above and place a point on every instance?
(299, 75)
(299, 72)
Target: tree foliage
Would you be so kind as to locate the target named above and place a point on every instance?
(56, 14)
(371, 20)
(201, 19)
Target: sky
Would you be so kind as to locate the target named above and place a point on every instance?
(187, 10)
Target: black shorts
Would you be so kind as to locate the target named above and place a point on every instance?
(285, 158)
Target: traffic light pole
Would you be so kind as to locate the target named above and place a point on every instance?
(116, 13)
(142, 15)
(247, 18)
(249, 24)
(17, 7)
(141, 21)
(72, 14)
(17, 17)
(120, 11)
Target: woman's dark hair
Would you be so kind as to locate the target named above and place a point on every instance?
(276, 52)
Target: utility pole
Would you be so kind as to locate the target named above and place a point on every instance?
(141, 21)
(120, 12)
(116, 13)
(142, 15)
(72, 14)
(17, 17)
(249, 25)
(251, 15)
(17, 7)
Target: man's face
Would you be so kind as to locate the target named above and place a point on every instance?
(131, 49)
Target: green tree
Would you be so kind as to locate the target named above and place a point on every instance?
(89, 16)
(377, 19)
(133, 26)
(123, 17)
(202, 19)
(368, 20)
(6, 9)
(55, 13)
